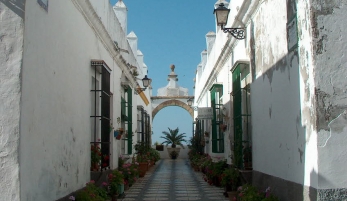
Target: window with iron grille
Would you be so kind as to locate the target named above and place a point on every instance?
(217, 121)
(126, 114)
(241, 116)
(100, 117)
(143, 126)
(199, 135)
(139, 123)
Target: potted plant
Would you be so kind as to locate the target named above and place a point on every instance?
(95, 157)
(174, 138)
(154, 155)
(99, 193)
(142, 157)
(217, 169)
(116, 183)
(248, 192)
(230, 181)
(158, 146)
(173, 154)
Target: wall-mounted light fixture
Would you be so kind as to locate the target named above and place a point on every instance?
(146, 82)
(222, 14)
(190, 104)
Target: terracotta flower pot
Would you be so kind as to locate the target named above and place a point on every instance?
(143, 168)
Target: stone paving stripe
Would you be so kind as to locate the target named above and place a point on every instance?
(173, 180)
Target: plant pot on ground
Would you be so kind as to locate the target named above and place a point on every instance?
(173, 154)
(159, 147)
(230, 180)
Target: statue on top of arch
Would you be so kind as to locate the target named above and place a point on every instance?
(172, 89)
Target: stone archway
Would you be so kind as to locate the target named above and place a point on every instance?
(179, 103)
(171, 95)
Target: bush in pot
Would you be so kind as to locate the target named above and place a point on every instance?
(173, 154)
(115, 179)
(230, 180)
(92, 193)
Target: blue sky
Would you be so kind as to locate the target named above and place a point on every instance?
(171, 32)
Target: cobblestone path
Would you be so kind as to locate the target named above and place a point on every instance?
(173, 180)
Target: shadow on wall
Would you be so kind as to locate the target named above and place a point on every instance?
(183, 152)
(287, 149)
(17, 6)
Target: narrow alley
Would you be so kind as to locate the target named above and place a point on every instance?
(173, 180)
(106, 100)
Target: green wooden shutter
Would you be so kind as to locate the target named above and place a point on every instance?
(237, 98)
(130, 121)
(214, 126)
(217, 134)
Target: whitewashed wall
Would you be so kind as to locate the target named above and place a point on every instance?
(275, 93)
(329, 46)
(56, 106)
(11, 51)
(298, 96)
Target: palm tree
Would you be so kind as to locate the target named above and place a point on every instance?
(172, 137)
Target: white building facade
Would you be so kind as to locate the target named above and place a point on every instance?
(279, 96)
(70, 79)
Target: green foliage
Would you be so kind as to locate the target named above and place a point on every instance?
(250, 193)
(219, 167)
(121, 161)
(95, 156)
(172, 137)
(130, 172)
(115, 179)
(231, 177)
(154, 154)
(194, 144)
(173, 154)
(142, 151)
(215, 169)
(92, 193)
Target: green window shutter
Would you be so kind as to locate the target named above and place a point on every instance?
(130, 119)
(217, 134)
(123, 110)
(237, 101)
(214, 127)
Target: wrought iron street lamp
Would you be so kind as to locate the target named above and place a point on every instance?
(146, 81)
(190, 104)
(222, 14)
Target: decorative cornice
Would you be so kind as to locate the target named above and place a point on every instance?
(88, 12)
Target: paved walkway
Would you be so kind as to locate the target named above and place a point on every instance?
(173, 180)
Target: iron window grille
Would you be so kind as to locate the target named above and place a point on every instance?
(126, 114)
(199, 136)
(217, 131)
(241, 116)
(103, 115)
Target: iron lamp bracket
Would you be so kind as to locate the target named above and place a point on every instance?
(238, 33)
